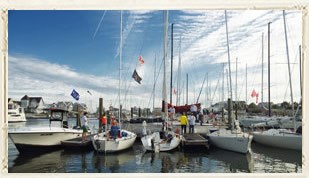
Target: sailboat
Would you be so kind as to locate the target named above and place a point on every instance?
(102, 142)
(159, 142)
(233, 139)
(281, 138)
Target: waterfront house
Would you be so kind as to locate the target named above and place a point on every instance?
(32, 104)
(67, 105)
(81, 107)
(13, 104)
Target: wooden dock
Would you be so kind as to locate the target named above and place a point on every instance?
(194, 139)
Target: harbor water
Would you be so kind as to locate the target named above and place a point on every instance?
(261, 159)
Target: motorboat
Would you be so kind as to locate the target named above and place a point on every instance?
(34, 139)
(16, 115)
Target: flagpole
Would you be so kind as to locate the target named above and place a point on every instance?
(171, 84)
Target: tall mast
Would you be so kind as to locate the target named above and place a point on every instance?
(289, 68)
(300, 78)
(120, 63)
(246, 83)
(262, 69)
(179, 75)
(171, 84)
(164, 63)
(269, 108)
(154, 82)
(187, 90)
(236, 81)
(228, 53)
(223, 84)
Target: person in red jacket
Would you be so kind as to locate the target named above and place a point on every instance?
(103, 121)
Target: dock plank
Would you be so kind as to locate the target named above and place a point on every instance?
(194, 139)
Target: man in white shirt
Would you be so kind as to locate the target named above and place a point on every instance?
(192, 120)
(84, 126)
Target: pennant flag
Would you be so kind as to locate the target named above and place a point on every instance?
(136, 77)
(253, 94)
(141, 60)
(89, 92)
(75, 95)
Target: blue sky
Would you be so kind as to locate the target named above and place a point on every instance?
(52, 52)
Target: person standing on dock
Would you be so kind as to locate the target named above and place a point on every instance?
(192, 120)
(84, 126)
(183, 123)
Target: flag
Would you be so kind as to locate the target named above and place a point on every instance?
(253, 94)
(136, 77)
(141, 60)
(89, 92)
(75, 95)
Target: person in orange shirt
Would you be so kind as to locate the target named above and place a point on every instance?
(103, 121)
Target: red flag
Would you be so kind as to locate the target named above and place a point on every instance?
(141, 60)
(253, 94)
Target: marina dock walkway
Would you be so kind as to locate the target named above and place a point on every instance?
(194, 139)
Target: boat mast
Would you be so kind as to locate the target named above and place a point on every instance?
(269, 108)
(179, 75)
(262, 69)
(228, 53)
(222, 100)
(236, 81)
(120, 63)
(164, 63)
(187, 90)
(171, 84)
(246, 83)
(289, 68)
(154, 82)
(300, 78)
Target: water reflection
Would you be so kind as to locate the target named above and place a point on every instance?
(232, 161)
(28, 163)
(111, 162)
(276, 160)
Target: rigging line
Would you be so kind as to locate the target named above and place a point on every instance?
(153, 89)
(99, 24)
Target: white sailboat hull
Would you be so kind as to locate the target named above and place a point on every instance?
(237, 142)
(279, 138)
(29, 139)
(102, 144)
(159, 144)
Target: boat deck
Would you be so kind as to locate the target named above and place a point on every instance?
(194, 139)
(77, 143)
